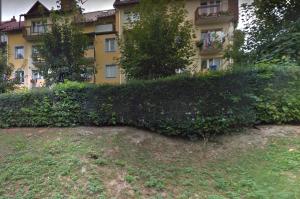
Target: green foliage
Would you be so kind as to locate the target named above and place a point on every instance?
(47, 163)
(62, 53)
(279, 101)
(234, 51)
(6, 84)
(157, 42)
(155, 183)
(286, 45)
(198, 106)
(272, 28)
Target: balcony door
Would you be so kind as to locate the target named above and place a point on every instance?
(210, 7)
(212, 38)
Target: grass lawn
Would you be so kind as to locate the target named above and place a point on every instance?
(128, 163)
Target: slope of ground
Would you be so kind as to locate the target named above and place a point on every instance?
(129, 163)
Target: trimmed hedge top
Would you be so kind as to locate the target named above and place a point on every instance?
(187, 106)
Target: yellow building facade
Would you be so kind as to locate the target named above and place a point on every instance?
(214, 22)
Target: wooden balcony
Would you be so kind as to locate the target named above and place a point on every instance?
(33, 33)
(212, 14)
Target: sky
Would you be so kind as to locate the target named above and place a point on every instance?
(12, 8)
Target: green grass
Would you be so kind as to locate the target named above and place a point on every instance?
(103, 165)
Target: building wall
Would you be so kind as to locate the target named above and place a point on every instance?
(98, 53)
(191, 7)
(104, 58)
(14, 40)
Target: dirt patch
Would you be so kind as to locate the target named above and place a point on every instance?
(159, 145)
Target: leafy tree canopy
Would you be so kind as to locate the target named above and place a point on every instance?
(6, 82)
(62, 52)
(157, 41)
(272, 28)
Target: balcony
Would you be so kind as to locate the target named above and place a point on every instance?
(210, 47)
(212, 14)
(32, 33)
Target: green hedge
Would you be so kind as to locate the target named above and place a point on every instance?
(187, 106)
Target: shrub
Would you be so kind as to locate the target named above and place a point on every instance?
(198, 106)
(278, 100)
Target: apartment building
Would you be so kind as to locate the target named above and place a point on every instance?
(21, 40)
(213, 20)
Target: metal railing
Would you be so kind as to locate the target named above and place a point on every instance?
(210, 10)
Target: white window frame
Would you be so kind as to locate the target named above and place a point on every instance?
(109, 74)
(17, 53)
(214, 61)
(110, 45)
(38, 27)
(131, 17)
(36, 75)
(20, 77)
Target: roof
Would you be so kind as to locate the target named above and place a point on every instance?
(13, 25)
(125, 2)
(37, 9)
(94, 16)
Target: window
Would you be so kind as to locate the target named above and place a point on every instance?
(38, 27)
(19, 52)
(3, 38)
(90, 42)
(111, 71)
(212, 64)
(104, 28)
(35, 51)
(36, 75)
(211, 7)
(210, 2)
(110, 45)
(20, 76)
(204, 64)
(35, 55)
(212, 38)
(131, 17)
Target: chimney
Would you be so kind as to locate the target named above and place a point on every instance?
(13, 19)
(67, 5)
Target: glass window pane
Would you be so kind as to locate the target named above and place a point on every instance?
(111, 71)
(110, 45)
(19, 52)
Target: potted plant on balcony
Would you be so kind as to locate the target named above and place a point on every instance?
(224, 13)
(217, 44)
(200, 43)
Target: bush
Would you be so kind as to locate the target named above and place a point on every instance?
(278, 100)
(187, 106)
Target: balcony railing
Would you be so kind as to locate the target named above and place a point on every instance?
(212, 14)
(34, 32)
(211, 10)
(208, 47)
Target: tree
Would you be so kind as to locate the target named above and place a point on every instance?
(157, 41)
(62, 53)
(234, 51)
(285, 46)
(6, 82)
(272, 25)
